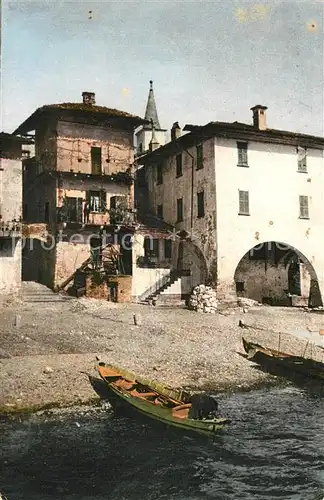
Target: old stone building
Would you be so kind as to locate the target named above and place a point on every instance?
(78, 206)
(10, 213)
(78, 187)
(251, 199)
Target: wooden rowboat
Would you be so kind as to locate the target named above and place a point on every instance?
(124, 389)
(271, 358)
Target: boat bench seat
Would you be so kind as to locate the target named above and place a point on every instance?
(142, 394)
(124, 384)
(181, 411)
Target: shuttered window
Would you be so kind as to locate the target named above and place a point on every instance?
(179, 210)
(303, 207)
(242, 153)
(302, 159)
(96, 161)
(244, 208)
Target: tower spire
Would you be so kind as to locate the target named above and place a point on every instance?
(151, 112)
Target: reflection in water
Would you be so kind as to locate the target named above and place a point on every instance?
(273, 449)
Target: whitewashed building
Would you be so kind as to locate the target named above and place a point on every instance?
(251, 198)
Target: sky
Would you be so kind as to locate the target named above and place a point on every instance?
(209, 60)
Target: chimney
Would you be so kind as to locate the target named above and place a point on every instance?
(259, 117)
(89, 98)
(175, 131)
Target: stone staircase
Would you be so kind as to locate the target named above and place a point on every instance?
(166, 283)
(36, 292)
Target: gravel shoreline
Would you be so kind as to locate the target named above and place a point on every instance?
(42, 359)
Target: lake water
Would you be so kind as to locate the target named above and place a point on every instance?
(273, 449)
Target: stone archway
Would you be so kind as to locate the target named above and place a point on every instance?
(278, 274)
(191, 263)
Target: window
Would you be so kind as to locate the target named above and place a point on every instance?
(97, 201)
(200, 204)
(167, 249)
(244, 203)
(159, 174)
(200, 157)
(242, 151)
(302, 159)
(179, 165)
(118, 209)
(179, 210)
(159, 211)
(73, 209)
(303, 207)
(151, 247)
(96, 161)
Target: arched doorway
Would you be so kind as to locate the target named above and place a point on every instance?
(38, 261)
(277, 274)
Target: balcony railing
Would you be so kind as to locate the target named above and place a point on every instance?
(125, 217)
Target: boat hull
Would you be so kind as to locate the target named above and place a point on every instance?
(270, 358)
(122, 400)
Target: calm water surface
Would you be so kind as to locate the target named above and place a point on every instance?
(274, 449)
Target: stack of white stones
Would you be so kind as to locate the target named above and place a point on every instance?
(203, 299)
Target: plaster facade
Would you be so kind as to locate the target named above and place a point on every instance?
(273, 181)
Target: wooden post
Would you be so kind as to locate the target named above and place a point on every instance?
(17, 323)
(137, 320)
(306, 348)
(279, 341)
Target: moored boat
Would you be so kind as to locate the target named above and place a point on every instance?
(155, 400)
(270, 358)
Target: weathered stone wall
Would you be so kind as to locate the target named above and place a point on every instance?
(124, 287)
(74, 144)
(10, 189)
(46, 145)
(201, 229)
(96, 288)
(10, 208)
(37, 192)
(69, 256)
(10, 265)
